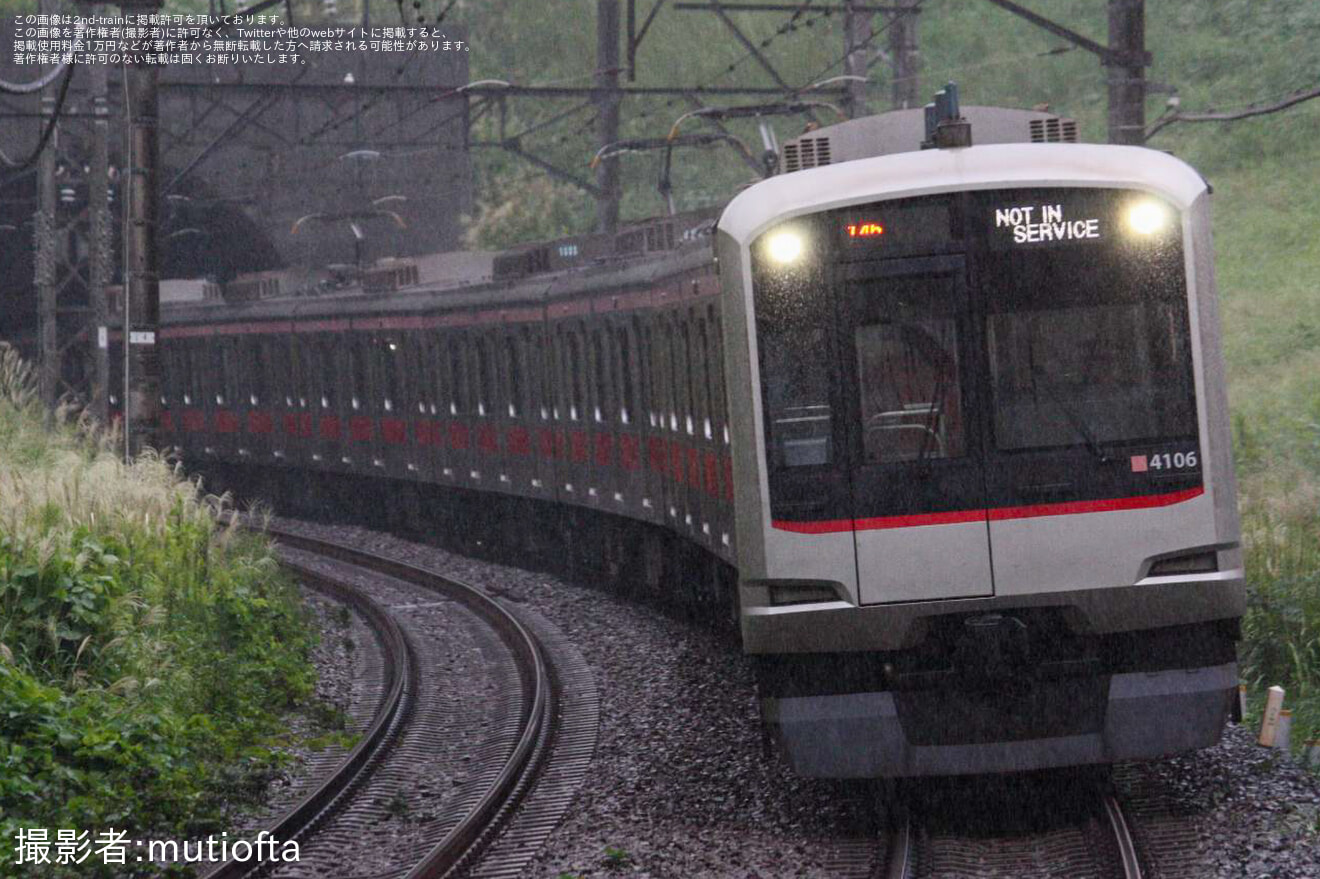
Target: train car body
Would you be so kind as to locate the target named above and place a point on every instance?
(944, 430)
(986, 515)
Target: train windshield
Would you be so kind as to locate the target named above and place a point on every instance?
(911, 343)
(1087, 337)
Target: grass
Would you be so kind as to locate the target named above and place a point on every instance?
(1281, 532)
(147, 646)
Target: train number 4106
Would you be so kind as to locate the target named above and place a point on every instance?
(1165, 461)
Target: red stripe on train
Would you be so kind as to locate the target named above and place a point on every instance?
(604, 449)
(578, 442)
(629, 452)
(226, 421)
(361, 428)
(519, 441)
(1070, 508)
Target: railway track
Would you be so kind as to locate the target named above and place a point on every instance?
(1099, 846)
(536, 719)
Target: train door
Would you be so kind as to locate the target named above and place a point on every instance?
(915, 458)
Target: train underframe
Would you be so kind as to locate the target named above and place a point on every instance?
(1002, 692)
(979, 692)
(633, 558)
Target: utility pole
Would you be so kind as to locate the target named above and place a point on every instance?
(903, 56)
(1127, 73)
(46, 251)
(856, 31)
(607, 112)
(141, 277)
(1125, 58)
(100, 238)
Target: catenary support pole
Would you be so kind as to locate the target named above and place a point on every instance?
(43, 230)
(1127, 77)
(607, 112)
(903, 57)
(100, 240)
(142, 294)
(856, 33)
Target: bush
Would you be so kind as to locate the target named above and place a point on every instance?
(148, 648)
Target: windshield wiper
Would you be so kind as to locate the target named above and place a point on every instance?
(1075, 420)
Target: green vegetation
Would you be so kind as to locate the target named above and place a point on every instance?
(616, 858)
(147, 646)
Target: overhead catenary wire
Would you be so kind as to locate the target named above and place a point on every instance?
(22, 167)
(862, 45)
(28, 88)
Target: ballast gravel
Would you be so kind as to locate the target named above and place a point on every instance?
(681, 785)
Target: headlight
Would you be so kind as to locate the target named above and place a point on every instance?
(784, 247)
(1147, 217)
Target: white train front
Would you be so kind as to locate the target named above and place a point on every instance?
(985, 508)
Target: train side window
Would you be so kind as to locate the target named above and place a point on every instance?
(169, 369)
(204, 369)
(482, 375)
(457, 376)
(537, 377)
(645, 378)
(388, 355)
(703, 367)
(601, 375)
(677, 379)
(224, 361)
(252, 355)
(328, 372)
(438, 363)
(300, 351)
(412, 388)
(234, 372)
(183, 385)
(357, 373)
(626, 397)
(269, 351)
(513, 352)
(659, 344)
(198, 364)
(719, 402)
(574, 376)
(549, 383)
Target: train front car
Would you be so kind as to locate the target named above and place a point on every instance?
(986, 517)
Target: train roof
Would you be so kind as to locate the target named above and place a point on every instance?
(928, 172)
(467, 288)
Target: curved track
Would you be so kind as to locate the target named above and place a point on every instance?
(542, 728)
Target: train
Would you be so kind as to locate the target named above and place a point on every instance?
(936, 415)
